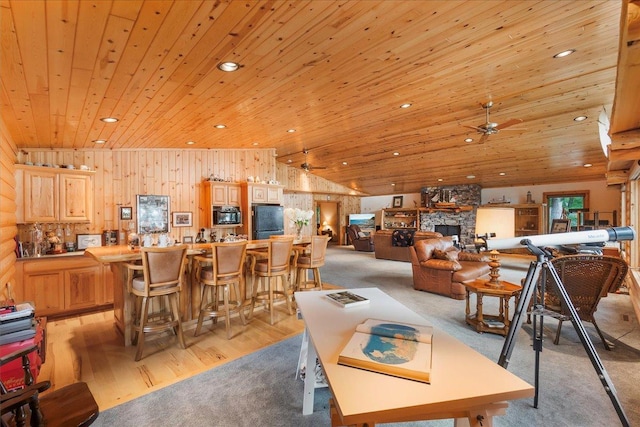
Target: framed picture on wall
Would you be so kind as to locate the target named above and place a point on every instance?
(397, 201)
(560, 225)
(153, 214)
(187, 239)
(182, 219)
(126, 213)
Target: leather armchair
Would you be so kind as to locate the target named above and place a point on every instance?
(439, 267)
(360, 243)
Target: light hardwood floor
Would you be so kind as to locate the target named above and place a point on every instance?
(88, 348)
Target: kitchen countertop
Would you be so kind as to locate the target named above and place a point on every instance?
(50, 256)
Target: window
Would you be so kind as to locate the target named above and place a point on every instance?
(567, 205)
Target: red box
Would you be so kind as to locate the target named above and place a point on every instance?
(12, 374)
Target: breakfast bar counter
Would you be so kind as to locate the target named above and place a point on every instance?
(118, 256)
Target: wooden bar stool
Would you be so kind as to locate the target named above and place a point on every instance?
(217, 274)
(276, 265)
(163, 273)
(312, 260)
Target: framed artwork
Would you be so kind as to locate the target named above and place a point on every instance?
(84, 241)
(153, 214)
(126, 213)
(560, 225)
(182, 219)
(187, 239)
(397, 201)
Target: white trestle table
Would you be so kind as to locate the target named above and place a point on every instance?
(465, 385)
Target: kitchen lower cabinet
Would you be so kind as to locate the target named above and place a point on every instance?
(64, 285)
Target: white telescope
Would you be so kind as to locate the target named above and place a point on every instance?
(575, 237)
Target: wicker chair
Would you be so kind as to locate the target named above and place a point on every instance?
(587, 279)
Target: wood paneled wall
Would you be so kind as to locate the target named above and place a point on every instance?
(122, 174)
(8, 227)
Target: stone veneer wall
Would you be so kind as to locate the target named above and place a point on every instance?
(462, 195)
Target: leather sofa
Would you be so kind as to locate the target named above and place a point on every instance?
(439, 267)
(360, 241)
(385, 248)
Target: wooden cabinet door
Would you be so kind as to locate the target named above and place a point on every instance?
(75, 198)
(80, 287)
(218, 195)
(274, 195)
(233, 195)
(258, 194)
(46, 290)
(40, 196)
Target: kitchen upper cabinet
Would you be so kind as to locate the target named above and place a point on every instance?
(223, 193)
(217, 193)
(53, 195)
(265, 193)
(76, 198)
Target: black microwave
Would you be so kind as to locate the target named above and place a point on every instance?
(226, 215)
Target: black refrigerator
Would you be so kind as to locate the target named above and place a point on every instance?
(268, 220)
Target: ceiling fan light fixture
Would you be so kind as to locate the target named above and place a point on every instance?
(564, 53)
(228, 66)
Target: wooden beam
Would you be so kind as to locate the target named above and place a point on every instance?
(617, 177)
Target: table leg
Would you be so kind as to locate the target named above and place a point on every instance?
(309, 378)
(506, 311)
(479, 306)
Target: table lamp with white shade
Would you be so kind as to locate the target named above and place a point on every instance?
(496, 223)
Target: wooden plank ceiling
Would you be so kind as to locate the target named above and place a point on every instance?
(337, 73)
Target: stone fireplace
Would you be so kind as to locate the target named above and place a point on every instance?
(464, 221)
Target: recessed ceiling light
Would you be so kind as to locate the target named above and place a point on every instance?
(468, 140)
(470, 176)
(580, 118)
(406, 105)
(396, 154)
(108, 119)
(190, 142)
(344, 163)
(257, 143)
(99, 141)
(291, 130)
(289, 161)
(220, 126)
(393, 184)
(440, 179)
(228, 66)
(587, 165)
(502, 173)
(564, 53)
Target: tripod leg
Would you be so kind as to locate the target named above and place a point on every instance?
(518, 314)
(589, 348)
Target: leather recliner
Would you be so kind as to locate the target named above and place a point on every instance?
(439, 267)
(357, 238)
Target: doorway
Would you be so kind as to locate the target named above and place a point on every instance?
(328, 220)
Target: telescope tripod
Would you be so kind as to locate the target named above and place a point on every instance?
(540, 269)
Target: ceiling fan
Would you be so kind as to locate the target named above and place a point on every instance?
(491, 128)
(306, 166)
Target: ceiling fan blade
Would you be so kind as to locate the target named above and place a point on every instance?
(475, 128)
(483, 138)
(318, 167)
(508, 123)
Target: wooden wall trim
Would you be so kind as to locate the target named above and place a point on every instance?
(8, 229)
